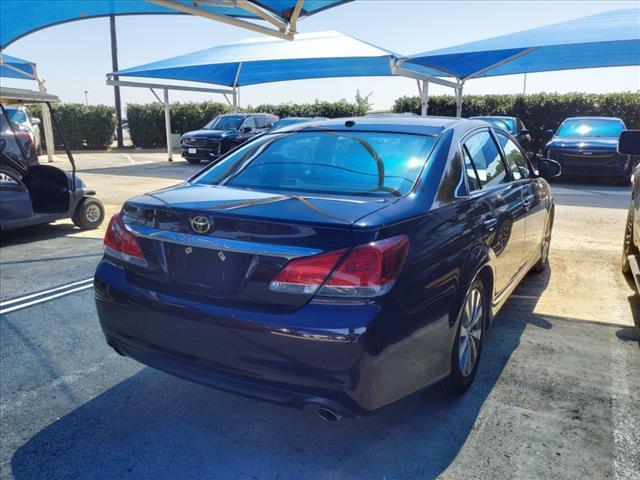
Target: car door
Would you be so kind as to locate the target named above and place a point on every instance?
(248, 129)
(504, 221)
(533, 192)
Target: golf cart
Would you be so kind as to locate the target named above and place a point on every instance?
(33, 194)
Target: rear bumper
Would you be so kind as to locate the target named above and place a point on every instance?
(280, 358)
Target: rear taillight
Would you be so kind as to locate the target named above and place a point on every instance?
(122, 244)
(368, 270)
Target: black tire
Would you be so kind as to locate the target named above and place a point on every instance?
(542, 264)
(628, 247)
(458, 381)
(193, 161)
(89, 214)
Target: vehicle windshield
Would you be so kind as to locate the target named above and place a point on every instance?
(590, 127)
(225, 122)
(16, 115)
(343, 163)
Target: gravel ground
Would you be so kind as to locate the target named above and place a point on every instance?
(557, 394)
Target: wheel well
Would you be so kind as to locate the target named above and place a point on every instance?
(486, 275)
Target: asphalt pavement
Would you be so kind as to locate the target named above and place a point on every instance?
(557, 394)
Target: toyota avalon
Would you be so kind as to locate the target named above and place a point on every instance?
(337, 265)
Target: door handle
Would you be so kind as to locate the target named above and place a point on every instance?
(527, 204)
(490, 223)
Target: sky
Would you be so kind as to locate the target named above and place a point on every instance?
(75, 57)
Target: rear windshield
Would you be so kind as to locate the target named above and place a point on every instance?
(590, 127)
(226, 122)
(353, 163)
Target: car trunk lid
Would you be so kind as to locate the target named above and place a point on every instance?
(228, 244)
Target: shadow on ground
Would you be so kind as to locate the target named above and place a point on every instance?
(178, 170)
(39, 232)
(156, 426)
(590, 192)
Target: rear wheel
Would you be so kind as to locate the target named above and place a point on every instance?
(543, 262)
(193, 161)
(467, 347)
(89, 213)
(628, 247)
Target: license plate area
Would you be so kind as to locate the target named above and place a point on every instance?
(219, 272)
(192, 150)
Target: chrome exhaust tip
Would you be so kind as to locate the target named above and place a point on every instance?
(328, 415)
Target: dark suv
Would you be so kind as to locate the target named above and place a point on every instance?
(222, 134)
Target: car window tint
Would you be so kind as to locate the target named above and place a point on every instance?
(249, 122)
(353, 163)
(487, 159)
(472, 176)
(261, 122)
(515, 159)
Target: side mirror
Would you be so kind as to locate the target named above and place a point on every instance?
(35, 121)
(629, 142)
(549, 168)
(524, 132)
(247, 130)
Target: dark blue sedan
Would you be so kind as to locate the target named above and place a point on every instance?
(588, 146)
(338, 265)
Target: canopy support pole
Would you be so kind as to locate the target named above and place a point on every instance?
(459, 101)
(116, 89)
(424, 97)
(192, 10)
(46, 120)
(167, 124)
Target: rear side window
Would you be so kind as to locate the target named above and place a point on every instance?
(261, 122)
(347, 163)
(515, 159)
(485, 157)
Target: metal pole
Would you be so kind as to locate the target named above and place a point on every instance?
(46, 120)
(425, 98)
(459, 101)
(524, 86)
(116, 89)
(167, 124)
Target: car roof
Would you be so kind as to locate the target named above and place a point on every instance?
(499, 117)
(390, 123)
(593, 118)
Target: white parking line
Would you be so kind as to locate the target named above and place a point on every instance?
(44, 296)
(128, 157)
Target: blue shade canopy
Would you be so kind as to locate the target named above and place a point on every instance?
(263, 60)
(14, 67)
(608, 39)
(21, 17)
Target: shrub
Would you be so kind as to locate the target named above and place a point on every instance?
(83, 126)
(146, 121)
(539, 112)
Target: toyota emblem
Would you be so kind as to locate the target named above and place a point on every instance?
(201, 224)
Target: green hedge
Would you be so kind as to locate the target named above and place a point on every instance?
(539, 112)
(83, 126)
(146, 121)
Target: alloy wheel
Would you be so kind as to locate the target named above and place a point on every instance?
(471, 332)
(92, 213)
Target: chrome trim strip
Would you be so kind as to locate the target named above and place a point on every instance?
(224, 244)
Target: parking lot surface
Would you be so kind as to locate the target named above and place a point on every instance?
(557, 393)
